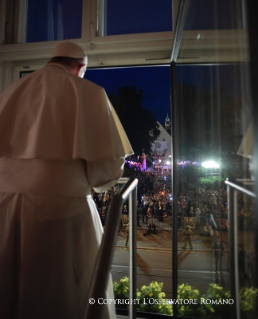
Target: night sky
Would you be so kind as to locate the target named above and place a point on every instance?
(137, 16)
(153, 81)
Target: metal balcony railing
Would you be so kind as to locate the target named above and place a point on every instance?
(232, 189)
(106, 251)
(105, 255)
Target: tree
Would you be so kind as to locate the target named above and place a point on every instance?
(139, 123)
(209, 124)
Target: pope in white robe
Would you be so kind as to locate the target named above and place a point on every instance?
(59, 137)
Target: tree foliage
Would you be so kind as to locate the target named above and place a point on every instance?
(209, 121)
(139, 123)
(210, 126)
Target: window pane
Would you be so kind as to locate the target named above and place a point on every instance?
(213, 15)
(124, 17)
(53, 20)
(215, 114)
(134, 92)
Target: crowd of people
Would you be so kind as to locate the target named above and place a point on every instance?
(153, 197)
(203, 209)
(207, 210)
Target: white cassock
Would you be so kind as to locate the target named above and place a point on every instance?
(59, 136)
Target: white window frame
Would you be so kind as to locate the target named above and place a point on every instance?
(120, 50)
(89, 40)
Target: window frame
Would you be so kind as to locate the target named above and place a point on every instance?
(120, 50)
(155, 47)
(89, 40)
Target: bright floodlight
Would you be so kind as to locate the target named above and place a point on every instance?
(168, 162)
(210, 164)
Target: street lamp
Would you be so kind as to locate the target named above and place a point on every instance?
(210, 164)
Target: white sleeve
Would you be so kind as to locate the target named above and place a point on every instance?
(104, 174)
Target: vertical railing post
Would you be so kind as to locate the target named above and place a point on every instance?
(132, 253)
(132, 249)
(233, 251)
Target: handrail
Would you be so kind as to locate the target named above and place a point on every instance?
(240, 188)
(103, 262)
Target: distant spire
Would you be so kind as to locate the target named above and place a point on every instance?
(167, 123)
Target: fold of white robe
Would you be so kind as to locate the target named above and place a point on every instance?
(50, 232)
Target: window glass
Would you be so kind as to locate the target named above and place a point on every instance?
(124, 17)
(141, 97)
(53, 20)
(215, 114)
(215, 139)
(213, 15)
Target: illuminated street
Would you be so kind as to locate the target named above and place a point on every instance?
(196, 267)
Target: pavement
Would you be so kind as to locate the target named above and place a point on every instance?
(163, 240)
